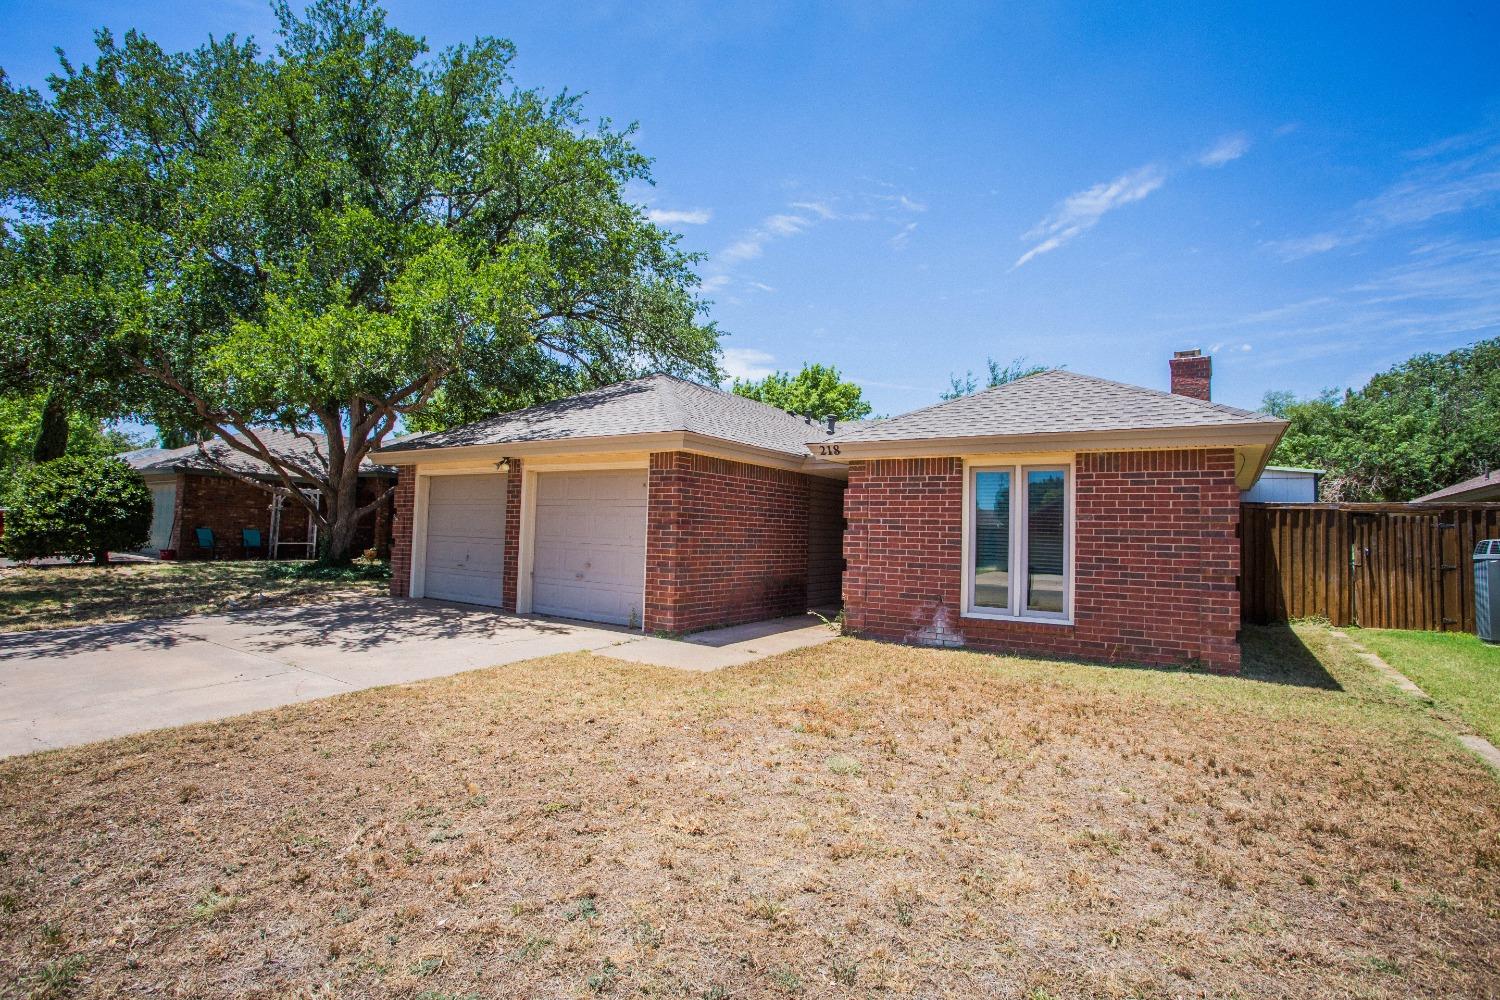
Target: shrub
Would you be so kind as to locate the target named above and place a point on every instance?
(77, 507)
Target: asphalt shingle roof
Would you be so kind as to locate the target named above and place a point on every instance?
(1052, 402)
(649, 405)
(281, 442)
(1482, 486)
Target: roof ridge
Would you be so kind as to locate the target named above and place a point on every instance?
(1164, 393)
(982, 392)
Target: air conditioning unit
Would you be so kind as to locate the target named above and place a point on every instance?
(1487, 589)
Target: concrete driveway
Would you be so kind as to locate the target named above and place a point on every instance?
(68, 686)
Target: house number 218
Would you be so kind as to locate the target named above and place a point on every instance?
(828, 449)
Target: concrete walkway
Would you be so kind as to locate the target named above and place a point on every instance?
(1476, 744)
(68, 686)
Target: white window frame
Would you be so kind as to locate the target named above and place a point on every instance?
(1019, 553)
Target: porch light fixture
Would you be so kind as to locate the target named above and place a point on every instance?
(503, 465)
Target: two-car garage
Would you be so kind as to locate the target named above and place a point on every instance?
(587, 538)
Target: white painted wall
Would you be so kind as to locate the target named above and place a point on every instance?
(1283, 486)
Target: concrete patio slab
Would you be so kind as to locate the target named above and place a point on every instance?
(727, 647)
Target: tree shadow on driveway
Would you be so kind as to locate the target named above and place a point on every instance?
(355, 625)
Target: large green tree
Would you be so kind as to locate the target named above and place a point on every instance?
(327, 237)
(22, 426)
(1427, 423)
(817, 390)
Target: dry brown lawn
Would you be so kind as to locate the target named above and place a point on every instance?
(850, 820)
(62, 596)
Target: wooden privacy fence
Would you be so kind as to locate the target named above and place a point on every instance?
(1379, 565)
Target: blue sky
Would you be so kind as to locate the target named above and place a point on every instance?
(1310, 191)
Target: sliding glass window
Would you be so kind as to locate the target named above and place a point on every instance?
(1019, 554)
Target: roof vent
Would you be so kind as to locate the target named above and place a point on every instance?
(830, 423)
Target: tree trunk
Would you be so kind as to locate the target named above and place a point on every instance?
(343, 520)
(52, 440)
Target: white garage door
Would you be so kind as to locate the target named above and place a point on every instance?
(465, 558)
(589, 559)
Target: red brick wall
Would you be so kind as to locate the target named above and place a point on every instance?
(227, 506)
(512, 537)
(1156, 558)
(406, 499)
(726, 542)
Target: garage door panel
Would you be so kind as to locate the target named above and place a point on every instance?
(465, 556)
(481, 489)
(460, 553)
(467, 520)
(589, 553)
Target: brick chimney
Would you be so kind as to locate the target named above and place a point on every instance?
(1191, 373)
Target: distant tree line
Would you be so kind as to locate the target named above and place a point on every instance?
(1427, 423)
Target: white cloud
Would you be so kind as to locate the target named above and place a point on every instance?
(1226, 150)
(800, 217)
(1445, 292)
(785, 225)
(1080, 212)
(819, 208)
(746, 248)
(1307, 246)
(748, 363)
(1434, 189)
(772, 227)
(899, 240)
(682, 217)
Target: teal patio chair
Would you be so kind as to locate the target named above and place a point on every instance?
(207, 542)
(252, 543)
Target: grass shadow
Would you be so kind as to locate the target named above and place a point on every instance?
(1275, 654)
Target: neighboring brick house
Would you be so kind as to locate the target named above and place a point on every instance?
(1059, 514)
(189, 492)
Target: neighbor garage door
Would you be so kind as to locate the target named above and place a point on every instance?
(465, 558)
(589, 557)
(163, 512)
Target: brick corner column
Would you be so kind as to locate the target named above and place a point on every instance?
(511, 583)
(856, 511)
(665, 486)
(401, 530)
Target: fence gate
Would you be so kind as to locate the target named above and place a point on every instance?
(1397, 566)
(1377, 565)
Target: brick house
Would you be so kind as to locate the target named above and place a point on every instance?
(188, 492)
(1059, 514)
(656, 503)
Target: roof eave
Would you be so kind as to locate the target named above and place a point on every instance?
(1265, 434)
(656, 441)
